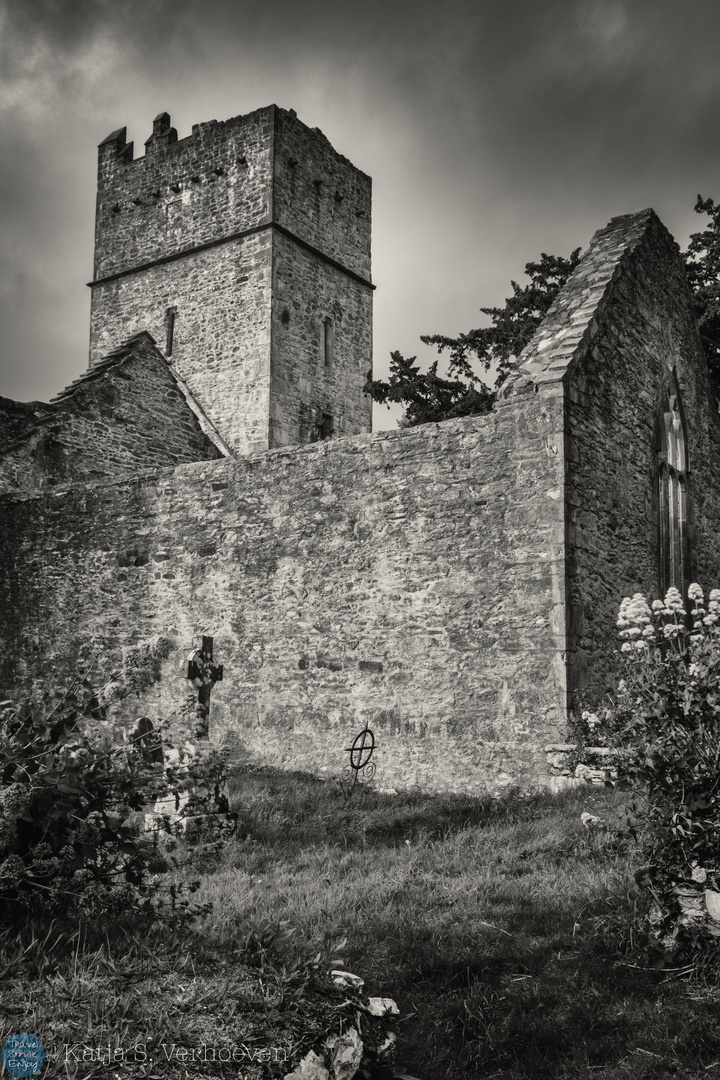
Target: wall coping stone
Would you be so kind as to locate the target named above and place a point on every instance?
(573, 319)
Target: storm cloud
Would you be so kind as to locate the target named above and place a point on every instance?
(493, 131)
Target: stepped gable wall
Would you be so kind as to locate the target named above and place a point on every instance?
(125, 415)
(409, 580)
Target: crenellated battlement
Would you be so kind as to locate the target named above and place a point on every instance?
(182, 192)
(162, 133)
(227, 177)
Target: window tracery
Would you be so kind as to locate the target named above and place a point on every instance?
(673, 494)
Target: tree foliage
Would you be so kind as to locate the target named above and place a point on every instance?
(703, 267)
(461, 391)
(426, 396)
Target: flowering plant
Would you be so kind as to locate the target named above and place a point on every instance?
(664, 723)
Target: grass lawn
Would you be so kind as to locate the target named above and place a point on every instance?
(503, 930)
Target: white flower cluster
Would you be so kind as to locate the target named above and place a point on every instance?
(702, 616)
(635, 618)
(591, 719)
(634, 621)
(671, 608)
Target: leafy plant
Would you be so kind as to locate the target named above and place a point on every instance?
(428, 396)
(73, 796)
(665, 725)
(703, 267)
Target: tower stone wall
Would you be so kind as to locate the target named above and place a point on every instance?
(243, 249)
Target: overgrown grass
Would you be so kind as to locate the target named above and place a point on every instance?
(503, 929)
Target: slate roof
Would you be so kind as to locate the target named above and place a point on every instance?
(114, 359)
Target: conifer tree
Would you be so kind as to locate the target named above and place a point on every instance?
(462, 391)
(703, 267)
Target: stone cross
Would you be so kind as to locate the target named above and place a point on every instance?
(204, 674)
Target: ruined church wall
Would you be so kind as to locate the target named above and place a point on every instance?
(613, 395)
(19, 417)
(410, 580)
(306, 291)
(221, 334)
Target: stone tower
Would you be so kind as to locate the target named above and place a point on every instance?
(245, 250)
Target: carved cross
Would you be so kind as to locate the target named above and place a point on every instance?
(203, 674)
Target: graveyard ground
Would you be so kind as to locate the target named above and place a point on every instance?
(505, 931)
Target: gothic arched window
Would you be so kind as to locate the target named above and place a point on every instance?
(672, 494)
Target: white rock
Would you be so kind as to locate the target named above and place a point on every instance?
(691, 902)
(712, 903)
(378, 1006)
(311, 1067)
(594, 776)
(346, 1053)
(346, 978)
(387, 1043)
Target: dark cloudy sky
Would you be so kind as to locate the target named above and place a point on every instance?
(493, 130)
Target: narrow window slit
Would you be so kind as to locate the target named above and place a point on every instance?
(673, 496)
(169, 330)
(328, 341)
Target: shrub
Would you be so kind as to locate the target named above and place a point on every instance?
(73, 795)
(664, 723)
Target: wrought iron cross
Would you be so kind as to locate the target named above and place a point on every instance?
(204, 674)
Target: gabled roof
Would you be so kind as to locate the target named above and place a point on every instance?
(142, 342)
(115, 359)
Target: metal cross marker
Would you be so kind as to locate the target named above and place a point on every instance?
(360, 753)
(204, 674)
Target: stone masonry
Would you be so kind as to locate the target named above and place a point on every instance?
(620, 330)
(410, 580)
(128, 412)
(252, 237)
(451, 585)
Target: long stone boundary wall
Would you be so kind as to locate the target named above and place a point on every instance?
(412, 581)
